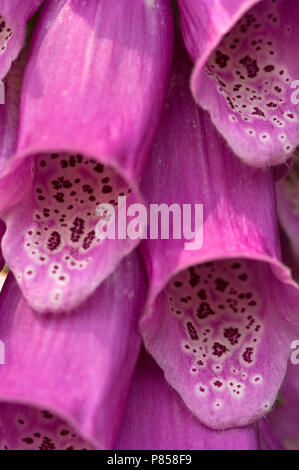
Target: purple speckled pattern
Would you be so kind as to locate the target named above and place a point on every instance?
(156, 418)
(88, 150)
(244, 70)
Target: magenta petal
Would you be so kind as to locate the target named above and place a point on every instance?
(9, 124)
(282, 424)
(288, 255)
(245, 73)
(13, 17)
(91, 101)
(268, 439)
(217, 319)
(2, 231)
(287, 195)
(77, 366)
(28, 428)
(156, 418)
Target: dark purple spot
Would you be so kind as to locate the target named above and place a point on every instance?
(106, 189)
(54, 241)
(47, 444)
(221, 284)
(219, 349)
(218, 384)
(202, 294)
(269, 68)
(250, 65)
(192, 331)
(46, 414)
(99, 168)
(221, 59)
(28, 440)
(88, 239)
(77, 229)
(247, 355)
(258, 112)
(204, 310)
(59, 197)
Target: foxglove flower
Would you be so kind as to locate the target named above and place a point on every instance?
(28, 428)
(76, 367)
(82, 108)
(245, 72)
(157, 419)
(218, 320)
(13, 17)
(91, 100)
(280, 430)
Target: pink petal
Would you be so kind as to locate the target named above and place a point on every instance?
(244, 73)
(77, 366)
(9, 120)
(287, 195)
(218, 317)
(86, 126)
(157, 419)
(13, 17)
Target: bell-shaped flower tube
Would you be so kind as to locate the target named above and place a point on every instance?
(29, 428)
(74, 368)
(156, 418)
(246, 73)
(222, 308)
(91, 101)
